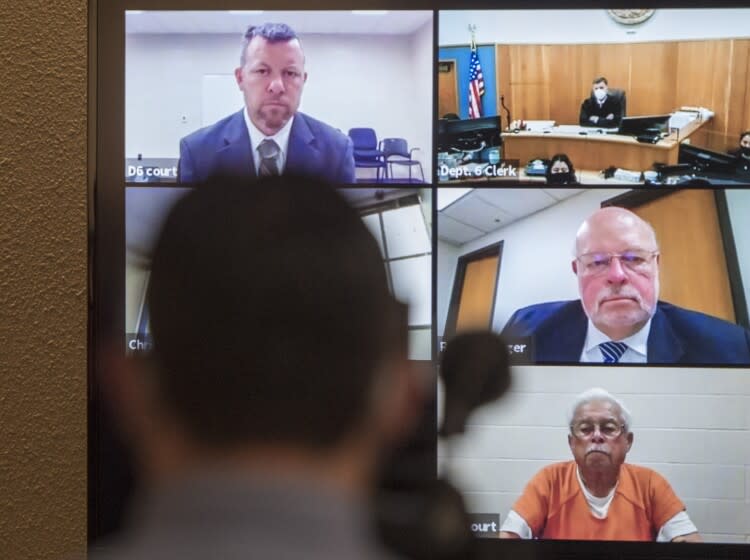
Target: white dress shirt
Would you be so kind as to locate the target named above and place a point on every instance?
(281, 138)
(636, 353)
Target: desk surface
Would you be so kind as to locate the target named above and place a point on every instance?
(595, 148)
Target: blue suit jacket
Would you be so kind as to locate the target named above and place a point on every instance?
(315, 149)
(677, 336)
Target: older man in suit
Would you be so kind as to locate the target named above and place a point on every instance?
(269, 136)
(619, 318)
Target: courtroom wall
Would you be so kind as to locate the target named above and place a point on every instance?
(550, 81)
(43, 286)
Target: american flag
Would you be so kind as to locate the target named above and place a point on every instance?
(476, 86)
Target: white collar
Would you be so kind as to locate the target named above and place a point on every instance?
(636, 342)
(256, 137)
(598, 506)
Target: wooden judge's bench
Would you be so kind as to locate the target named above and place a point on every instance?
(595, 149)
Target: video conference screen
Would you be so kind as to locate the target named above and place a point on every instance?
(567, 178)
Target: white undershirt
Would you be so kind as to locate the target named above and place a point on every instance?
(678, 525)
(256, 137)
(636, 353)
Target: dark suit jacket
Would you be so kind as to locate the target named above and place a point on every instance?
(314, 149)
(677, 336)
(590, 107)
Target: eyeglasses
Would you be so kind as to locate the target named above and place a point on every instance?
(635, 260)
(586, 429)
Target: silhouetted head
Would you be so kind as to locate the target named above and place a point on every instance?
(270, 314)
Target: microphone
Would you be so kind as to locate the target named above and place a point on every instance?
(507, 111)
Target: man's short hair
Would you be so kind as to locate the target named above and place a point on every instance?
(271, 32)
(743, 134)
(270, 313)
(600, 79)
(599, 394)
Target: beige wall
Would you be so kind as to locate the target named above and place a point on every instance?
(43, 284)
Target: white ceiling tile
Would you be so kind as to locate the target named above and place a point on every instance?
(455, 232)
(474, 211)
(516, 202)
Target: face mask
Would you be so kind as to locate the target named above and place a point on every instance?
(600, 94)
(745, 151)
(559, 178)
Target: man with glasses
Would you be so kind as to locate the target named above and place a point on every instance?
(598, 496)
(619, 318)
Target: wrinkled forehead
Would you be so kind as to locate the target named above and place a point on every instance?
(599, 411)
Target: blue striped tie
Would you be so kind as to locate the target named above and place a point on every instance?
(612, 351)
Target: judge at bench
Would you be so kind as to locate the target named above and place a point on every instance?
(598, 496)
(269, 136)
(619, 318)
(601, 109)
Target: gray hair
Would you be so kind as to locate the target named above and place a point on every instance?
(271, 32)
(599, 394)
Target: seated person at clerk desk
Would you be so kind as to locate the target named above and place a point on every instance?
(269, 136)
(560, 171)
(598, 496)
(619, 318)
(600, 109)
(743, 152)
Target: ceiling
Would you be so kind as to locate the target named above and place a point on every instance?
(236, 22)
(146, 208)
(478, 212)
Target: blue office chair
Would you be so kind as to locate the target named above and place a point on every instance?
(366, 152)
(396, 152)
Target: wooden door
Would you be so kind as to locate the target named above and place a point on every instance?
(472, 302)
(693, 268)
(447, 88)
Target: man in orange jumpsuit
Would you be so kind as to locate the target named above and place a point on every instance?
(597, 496)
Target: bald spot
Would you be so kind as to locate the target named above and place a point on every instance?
(619, 222)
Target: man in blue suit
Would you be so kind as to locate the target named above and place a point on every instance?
(619, 318)
(269, 136)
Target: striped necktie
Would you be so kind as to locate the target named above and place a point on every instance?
(269, 162)
(612, 351)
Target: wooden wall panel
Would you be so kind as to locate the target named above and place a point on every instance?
(704, 79)
(739, 102)
(693, 267)
(651, 89)
(564, 62)
(614, 63)
(550, 81)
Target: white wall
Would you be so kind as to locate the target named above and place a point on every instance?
(589, 26)
(421, 91)
(377, 81)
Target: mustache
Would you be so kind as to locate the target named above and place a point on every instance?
(623, 291)
(596, 449)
